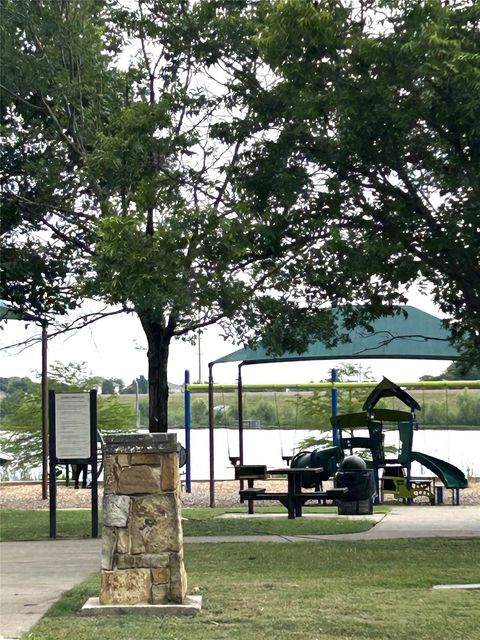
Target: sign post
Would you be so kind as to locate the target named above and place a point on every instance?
(72, 440)
(94, 461)
(52, 464)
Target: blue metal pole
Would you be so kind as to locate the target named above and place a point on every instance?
(334, 407)
(188, 425)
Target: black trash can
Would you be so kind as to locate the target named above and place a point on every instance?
(354, 475)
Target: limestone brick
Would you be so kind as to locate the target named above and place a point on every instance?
(139, 479)
(123, 460)
(178, 577)
(115, 510)
(161, 575)
(145, 560)
(160, 593)
(109, 476)
(147, 458)
(109, 542)
(123, 541)
(170, 480)
(155, 524)
(126, 586)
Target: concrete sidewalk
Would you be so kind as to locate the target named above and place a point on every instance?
(421, 521)
(35, 574)
(415, 521)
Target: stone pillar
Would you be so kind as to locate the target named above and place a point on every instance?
(142, 554)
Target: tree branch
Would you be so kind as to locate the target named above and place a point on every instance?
(388, 340)
(75, 325)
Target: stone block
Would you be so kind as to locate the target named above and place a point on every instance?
(145, 560)
(170, 472)
(139, 479)
(123, 460)
(125, 586)
(109, 543)
(178, 577)
(155, 525)
(160, 593)
(147, 458)
(123, 541)
(115, 510)
(109, 476)
(161, 575)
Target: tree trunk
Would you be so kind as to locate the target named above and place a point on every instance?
(158, 337)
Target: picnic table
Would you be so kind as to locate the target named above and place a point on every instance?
(293, 499)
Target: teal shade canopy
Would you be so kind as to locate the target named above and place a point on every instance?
(413, 335)
(8, 313)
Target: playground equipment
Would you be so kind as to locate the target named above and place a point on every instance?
(430, 394)
(328, 459)
(396, 477)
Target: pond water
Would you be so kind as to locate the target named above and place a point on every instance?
(266, 446)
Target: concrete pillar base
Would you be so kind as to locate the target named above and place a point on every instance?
(190, 606)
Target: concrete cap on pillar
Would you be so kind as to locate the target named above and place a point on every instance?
(141, 442)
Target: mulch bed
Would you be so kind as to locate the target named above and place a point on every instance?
(29, 496)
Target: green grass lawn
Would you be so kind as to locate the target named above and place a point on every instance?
(379, 590)
(34, 525)
(377, 508)
(196, 526)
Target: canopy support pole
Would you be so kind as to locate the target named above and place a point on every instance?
(334, 406)
(240, 413)
(188, 426)
(44, 412)
(211, 427)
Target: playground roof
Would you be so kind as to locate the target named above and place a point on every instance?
(416, 335)
(386, 389)
(8, 313)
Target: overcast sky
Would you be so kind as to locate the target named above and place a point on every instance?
(116, 347)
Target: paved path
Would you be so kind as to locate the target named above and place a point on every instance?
(35, 574)
(416, 521)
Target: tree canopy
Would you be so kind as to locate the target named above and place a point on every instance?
(455, 372)
(245, 163)
(376, 112)
(120, 184)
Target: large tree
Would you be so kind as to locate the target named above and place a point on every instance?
(119, 175)
(375, 109)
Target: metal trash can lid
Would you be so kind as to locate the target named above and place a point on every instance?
(353, 463)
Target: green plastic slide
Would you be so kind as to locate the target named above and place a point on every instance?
(450, 475)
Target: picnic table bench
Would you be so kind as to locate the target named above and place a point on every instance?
(293, 499)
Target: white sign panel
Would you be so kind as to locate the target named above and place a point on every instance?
(72, 417)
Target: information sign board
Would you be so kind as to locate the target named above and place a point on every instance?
(72, 426)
